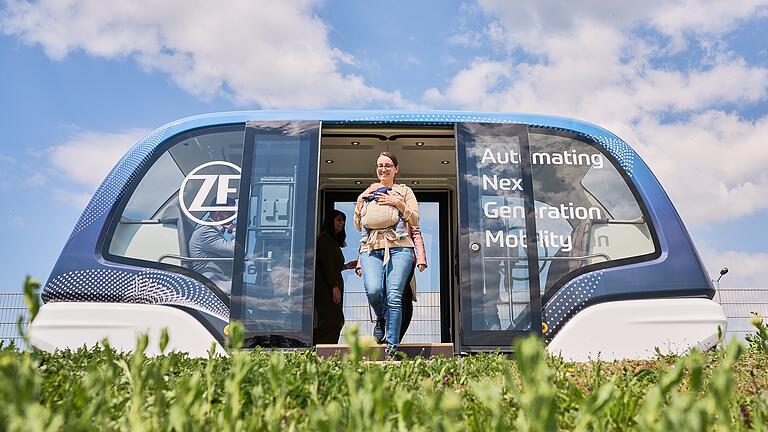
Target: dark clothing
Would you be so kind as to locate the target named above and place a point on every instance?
(407, 305)
(329, 265)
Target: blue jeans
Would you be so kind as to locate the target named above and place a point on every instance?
(384, 286)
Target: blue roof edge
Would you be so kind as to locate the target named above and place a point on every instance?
(386, 116)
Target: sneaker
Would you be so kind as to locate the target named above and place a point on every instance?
(390, 353)
(378, 330)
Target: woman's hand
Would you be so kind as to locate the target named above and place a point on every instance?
(359, 272)
(350, 265)
(336, 295)
(422, 267)
(368, 191)
(391, 200)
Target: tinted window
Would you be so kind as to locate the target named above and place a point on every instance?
(497, 292)
(196, 232)
(275, 303)
(586, 212)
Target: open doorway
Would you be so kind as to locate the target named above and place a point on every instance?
(427, 165)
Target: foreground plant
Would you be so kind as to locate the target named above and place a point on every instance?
(98, 388)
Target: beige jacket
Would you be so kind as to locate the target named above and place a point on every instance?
(387, 238)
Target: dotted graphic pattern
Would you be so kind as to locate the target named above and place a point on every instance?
(144, 287)
(569, 300)
(114, 185)
(433, 118)
(618, 149)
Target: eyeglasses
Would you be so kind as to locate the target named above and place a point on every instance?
(385, 166)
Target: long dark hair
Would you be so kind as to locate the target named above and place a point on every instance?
(341, 237)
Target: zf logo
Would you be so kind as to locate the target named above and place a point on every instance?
(206, 181)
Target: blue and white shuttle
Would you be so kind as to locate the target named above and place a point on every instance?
(535, 224)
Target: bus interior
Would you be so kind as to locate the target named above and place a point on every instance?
(427, 161)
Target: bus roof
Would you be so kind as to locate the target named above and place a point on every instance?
(389, 116)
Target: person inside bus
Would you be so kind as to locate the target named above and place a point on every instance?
(329, 288)
(386, 248)
(409, 293)
(214, 248)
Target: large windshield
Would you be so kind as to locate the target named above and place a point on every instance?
(177, 213)
(586, 212)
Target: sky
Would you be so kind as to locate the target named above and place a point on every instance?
(684, 82)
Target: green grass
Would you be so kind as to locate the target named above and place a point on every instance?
(98, 389)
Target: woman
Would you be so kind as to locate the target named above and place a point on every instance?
(386, 253)
(329, 289)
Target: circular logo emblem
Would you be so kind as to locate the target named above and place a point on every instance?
(211, 179)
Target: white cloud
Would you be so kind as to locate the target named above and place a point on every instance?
(88, 157)
(704, 17)
(528, 22)
(745, 270)
(37, 179)
(274, 54)
(466, 39)
(72, 198)
(712, 165)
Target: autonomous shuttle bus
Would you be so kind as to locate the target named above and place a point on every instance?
(534, 224)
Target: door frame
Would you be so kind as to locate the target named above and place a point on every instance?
(309, 131)
(444, 198)
(491, 340)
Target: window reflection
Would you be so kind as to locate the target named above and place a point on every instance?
(160, 223)
(584, 205)
(498, 291)
(275, 301)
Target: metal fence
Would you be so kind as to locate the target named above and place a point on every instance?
(425, 325)
(740, 304)
(11, 308)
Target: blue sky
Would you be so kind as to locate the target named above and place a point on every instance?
(684, 82)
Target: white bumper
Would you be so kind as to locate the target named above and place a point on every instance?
(633, 329)
(72, 325)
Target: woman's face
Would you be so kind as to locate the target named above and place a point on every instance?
(338, 223)
(386, 169)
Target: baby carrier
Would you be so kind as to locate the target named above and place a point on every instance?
(382, 221)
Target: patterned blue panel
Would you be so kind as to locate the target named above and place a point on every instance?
(113, 186)
(569, 300)
(145, 287)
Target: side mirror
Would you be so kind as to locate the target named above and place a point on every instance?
(722, 273)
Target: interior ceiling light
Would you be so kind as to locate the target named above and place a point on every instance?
(415, 182)
(445, 162)
(355, 143)
(358, 182)
(328, 161)
(419, 143)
